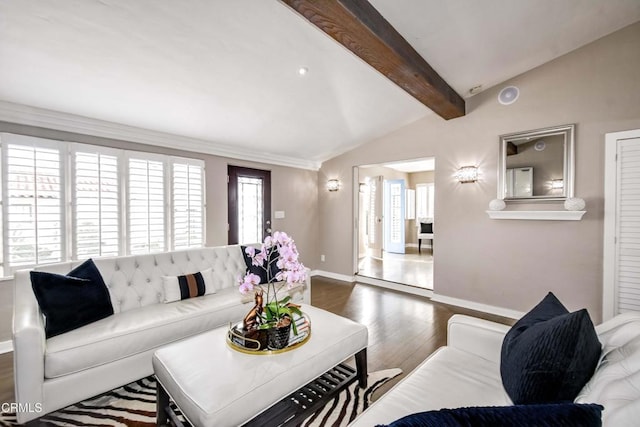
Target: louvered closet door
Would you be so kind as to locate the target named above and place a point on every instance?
(621, 291)
(628, 236)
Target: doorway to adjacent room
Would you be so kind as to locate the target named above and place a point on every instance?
(393, 200)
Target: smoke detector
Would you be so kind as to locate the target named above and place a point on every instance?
(475, 89)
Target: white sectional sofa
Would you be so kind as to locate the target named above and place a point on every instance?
(116, 350)
(466, 373)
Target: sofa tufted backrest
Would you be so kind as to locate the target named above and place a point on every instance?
(136, 281)
(616, 382)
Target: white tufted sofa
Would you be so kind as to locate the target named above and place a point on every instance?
(98, 357)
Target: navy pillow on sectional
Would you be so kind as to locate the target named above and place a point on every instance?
(274, 265)
(260, 270)
(554, 414)
(255, 269)
(549, 354)
(548, 308)
(71, 301)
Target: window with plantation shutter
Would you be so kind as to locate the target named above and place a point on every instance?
(63, 201)
(146, 205)
(96, 202)
(33, 201)
(188, 203)
(425, 200)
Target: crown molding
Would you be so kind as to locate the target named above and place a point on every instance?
(40, 117)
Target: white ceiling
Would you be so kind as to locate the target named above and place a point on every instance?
(226, 72)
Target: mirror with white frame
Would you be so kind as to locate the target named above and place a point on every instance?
(537, 165)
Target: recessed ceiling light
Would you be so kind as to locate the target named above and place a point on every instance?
(303, 70)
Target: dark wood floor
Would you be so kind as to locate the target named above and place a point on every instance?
(403, 329)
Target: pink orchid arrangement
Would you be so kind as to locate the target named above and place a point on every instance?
(279, 249)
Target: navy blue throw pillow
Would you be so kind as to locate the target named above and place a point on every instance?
(260, 270)
(553, 414)
(69, 302)
(549, 354)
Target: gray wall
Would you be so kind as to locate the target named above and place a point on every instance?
(294, 191)
(510, 264)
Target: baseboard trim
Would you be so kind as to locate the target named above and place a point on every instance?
(485, 308)
(6, 347)
(428, 293)
(331, 275)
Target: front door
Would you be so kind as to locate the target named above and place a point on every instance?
(249, 193)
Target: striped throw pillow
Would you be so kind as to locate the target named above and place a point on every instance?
(177, 288)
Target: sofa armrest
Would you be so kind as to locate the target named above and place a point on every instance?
(28, 343)
(477, 336)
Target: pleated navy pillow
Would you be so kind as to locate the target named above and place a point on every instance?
(553, 414)
(261, 270)
(549, 355)
(69, 302)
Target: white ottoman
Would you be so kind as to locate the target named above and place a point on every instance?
(214, 385)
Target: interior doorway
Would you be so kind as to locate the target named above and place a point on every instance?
(392, 201)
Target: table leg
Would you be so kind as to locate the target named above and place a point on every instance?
(162, 401)
(361, 367)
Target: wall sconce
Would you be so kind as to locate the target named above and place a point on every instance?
(557, 184)
(333, 185)
(467, 174)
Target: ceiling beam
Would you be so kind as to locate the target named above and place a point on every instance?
(359, 27)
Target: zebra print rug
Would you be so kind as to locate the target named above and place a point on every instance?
(134, 405)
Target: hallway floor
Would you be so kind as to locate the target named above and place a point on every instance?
(410, 268)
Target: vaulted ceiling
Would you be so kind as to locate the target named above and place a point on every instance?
(226, 73)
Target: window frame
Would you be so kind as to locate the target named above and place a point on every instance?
(76, 147)
(167, 219)
(68, 220)
(429, 208)
(172, 161)
(7, 139)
